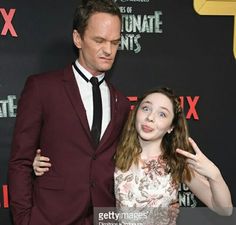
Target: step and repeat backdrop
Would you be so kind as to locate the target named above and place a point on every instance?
(163, 43)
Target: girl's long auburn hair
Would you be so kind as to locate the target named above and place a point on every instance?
(129, 149)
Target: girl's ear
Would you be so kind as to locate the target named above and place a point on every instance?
(170, 130)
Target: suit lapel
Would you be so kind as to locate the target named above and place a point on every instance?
(73, 93)
(110, 127)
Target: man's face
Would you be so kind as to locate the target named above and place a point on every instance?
(100, 42)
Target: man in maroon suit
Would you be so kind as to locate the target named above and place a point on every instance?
(56, 114)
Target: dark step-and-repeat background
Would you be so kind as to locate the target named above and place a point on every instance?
(164, 43)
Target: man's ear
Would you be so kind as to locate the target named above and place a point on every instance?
(76, 39)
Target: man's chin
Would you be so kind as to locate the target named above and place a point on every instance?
(105, 68)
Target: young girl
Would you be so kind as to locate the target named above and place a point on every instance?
(153, 157)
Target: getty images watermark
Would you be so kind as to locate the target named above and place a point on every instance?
(112, 216)
(163, 216)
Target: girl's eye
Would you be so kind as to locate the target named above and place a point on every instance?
(145, 108)
(162, 114)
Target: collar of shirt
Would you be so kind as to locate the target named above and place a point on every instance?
(85, 89)
(86, 73)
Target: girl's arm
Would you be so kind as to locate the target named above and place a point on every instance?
(207, 182)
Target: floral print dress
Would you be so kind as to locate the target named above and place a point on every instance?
(146, 194)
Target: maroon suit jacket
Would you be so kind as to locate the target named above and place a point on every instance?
(51, 116)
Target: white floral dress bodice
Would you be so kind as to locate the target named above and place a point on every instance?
(147, 189)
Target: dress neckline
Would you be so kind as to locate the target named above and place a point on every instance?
(151, 158)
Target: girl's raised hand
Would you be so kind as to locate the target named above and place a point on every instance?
(199, 162)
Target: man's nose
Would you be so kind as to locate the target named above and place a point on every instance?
(107, 48)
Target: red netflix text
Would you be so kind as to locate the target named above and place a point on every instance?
(132, 100)
(8, 27)
(189, 104)
(5, 201)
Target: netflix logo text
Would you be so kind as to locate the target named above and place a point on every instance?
(4, 201)
(133, 100)
(7, 27)
(188, 103)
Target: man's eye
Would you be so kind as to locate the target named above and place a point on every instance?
(116, 42)
(98, 41)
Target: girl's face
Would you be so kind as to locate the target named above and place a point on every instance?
(154, 117)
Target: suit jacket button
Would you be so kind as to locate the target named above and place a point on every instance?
(92, 184)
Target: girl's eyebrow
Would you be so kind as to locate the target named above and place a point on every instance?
(162, 107)
(165, 108)
(147, 102)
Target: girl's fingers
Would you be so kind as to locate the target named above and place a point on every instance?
(41, 169)
(38, 153)
(191, 161)
(44, 164)
(185, 153)
(194, 145)
(39, 173)
(43, 158)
